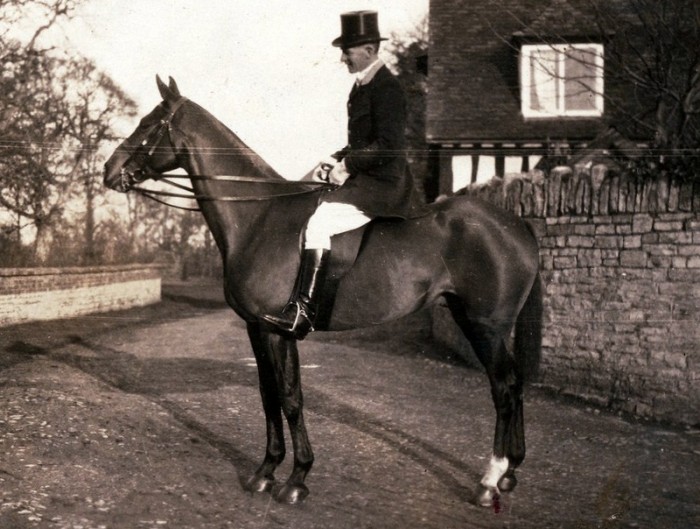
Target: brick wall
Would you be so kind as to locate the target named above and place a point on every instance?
(621, 265)
(29, 294)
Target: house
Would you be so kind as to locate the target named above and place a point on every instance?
(512, 80)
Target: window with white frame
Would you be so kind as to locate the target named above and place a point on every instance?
(561, 80)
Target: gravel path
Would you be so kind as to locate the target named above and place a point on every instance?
(151, 418)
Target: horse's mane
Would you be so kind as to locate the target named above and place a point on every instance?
(237, 145)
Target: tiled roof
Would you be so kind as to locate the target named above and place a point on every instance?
(561, 20)
(473, 83)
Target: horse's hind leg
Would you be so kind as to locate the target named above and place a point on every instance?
(284, 357)
(264, 479)
(509, 437)
(507, 394)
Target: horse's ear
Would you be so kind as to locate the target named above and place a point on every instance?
(165, 92)
(173, 87)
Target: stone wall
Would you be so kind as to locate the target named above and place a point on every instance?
(30, 294)
(621, 265)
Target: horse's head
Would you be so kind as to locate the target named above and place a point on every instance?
(149, 150)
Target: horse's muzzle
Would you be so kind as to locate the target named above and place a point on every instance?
(121, 180)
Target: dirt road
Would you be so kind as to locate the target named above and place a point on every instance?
(151, 418)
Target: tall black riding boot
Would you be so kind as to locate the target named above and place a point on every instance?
(298, 316)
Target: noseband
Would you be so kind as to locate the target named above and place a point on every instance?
(140, 156)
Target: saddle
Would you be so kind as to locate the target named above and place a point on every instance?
(345, 249)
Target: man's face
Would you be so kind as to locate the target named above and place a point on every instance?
(357, 58)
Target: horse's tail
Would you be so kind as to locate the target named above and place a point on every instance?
(528, 332)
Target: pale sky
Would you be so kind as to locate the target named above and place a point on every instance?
(265, 68)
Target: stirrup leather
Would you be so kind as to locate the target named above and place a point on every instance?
(298, 315)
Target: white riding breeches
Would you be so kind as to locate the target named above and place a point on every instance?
(332, 218)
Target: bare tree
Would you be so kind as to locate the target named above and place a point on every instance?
(31, 175)
(660, 64)
(92, 104)
(58, 117)
(29, 126)
(34, 16)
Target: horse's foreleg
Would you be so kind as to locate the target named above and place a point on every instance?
(264, 479)
(286, 364)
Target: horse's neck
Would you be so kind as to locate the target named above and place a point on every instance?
(215, 151)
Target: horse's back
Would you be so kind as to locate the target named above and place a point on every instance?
(456, 227)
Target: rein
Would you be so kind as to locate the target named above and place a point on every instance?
(153, 194)
(144, 151)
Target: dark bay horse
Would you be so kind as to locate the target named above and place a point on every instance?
(481, 259)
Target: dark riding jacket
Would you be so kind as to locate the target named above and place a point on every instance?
(380, 183)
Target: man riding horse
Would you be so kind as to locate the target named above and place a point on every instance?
(371, 169)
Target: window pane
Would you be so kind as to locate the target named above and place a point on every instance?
(543, 79)
(580, 79)
(562, 80)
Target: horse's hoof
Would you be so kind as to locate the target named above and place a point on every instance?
(260, 484)
(486, 496)
(292, 494)
(508, 481)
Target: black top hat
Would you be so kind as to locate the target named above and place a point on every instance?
(358, 27)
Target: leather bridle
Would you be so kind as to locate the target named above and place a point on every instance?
(140, 156)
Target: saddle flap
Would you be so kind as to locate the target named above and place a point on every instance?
(345, 249)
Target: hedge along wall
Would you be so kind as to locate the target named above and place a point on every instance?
(621, 265)
(30, 294)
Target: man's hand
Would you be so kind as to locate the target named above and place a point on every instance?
(338, 174)
(322, 170)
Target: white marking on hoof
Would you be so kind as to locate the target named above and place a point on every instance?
(485, 496)
(496, 469)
